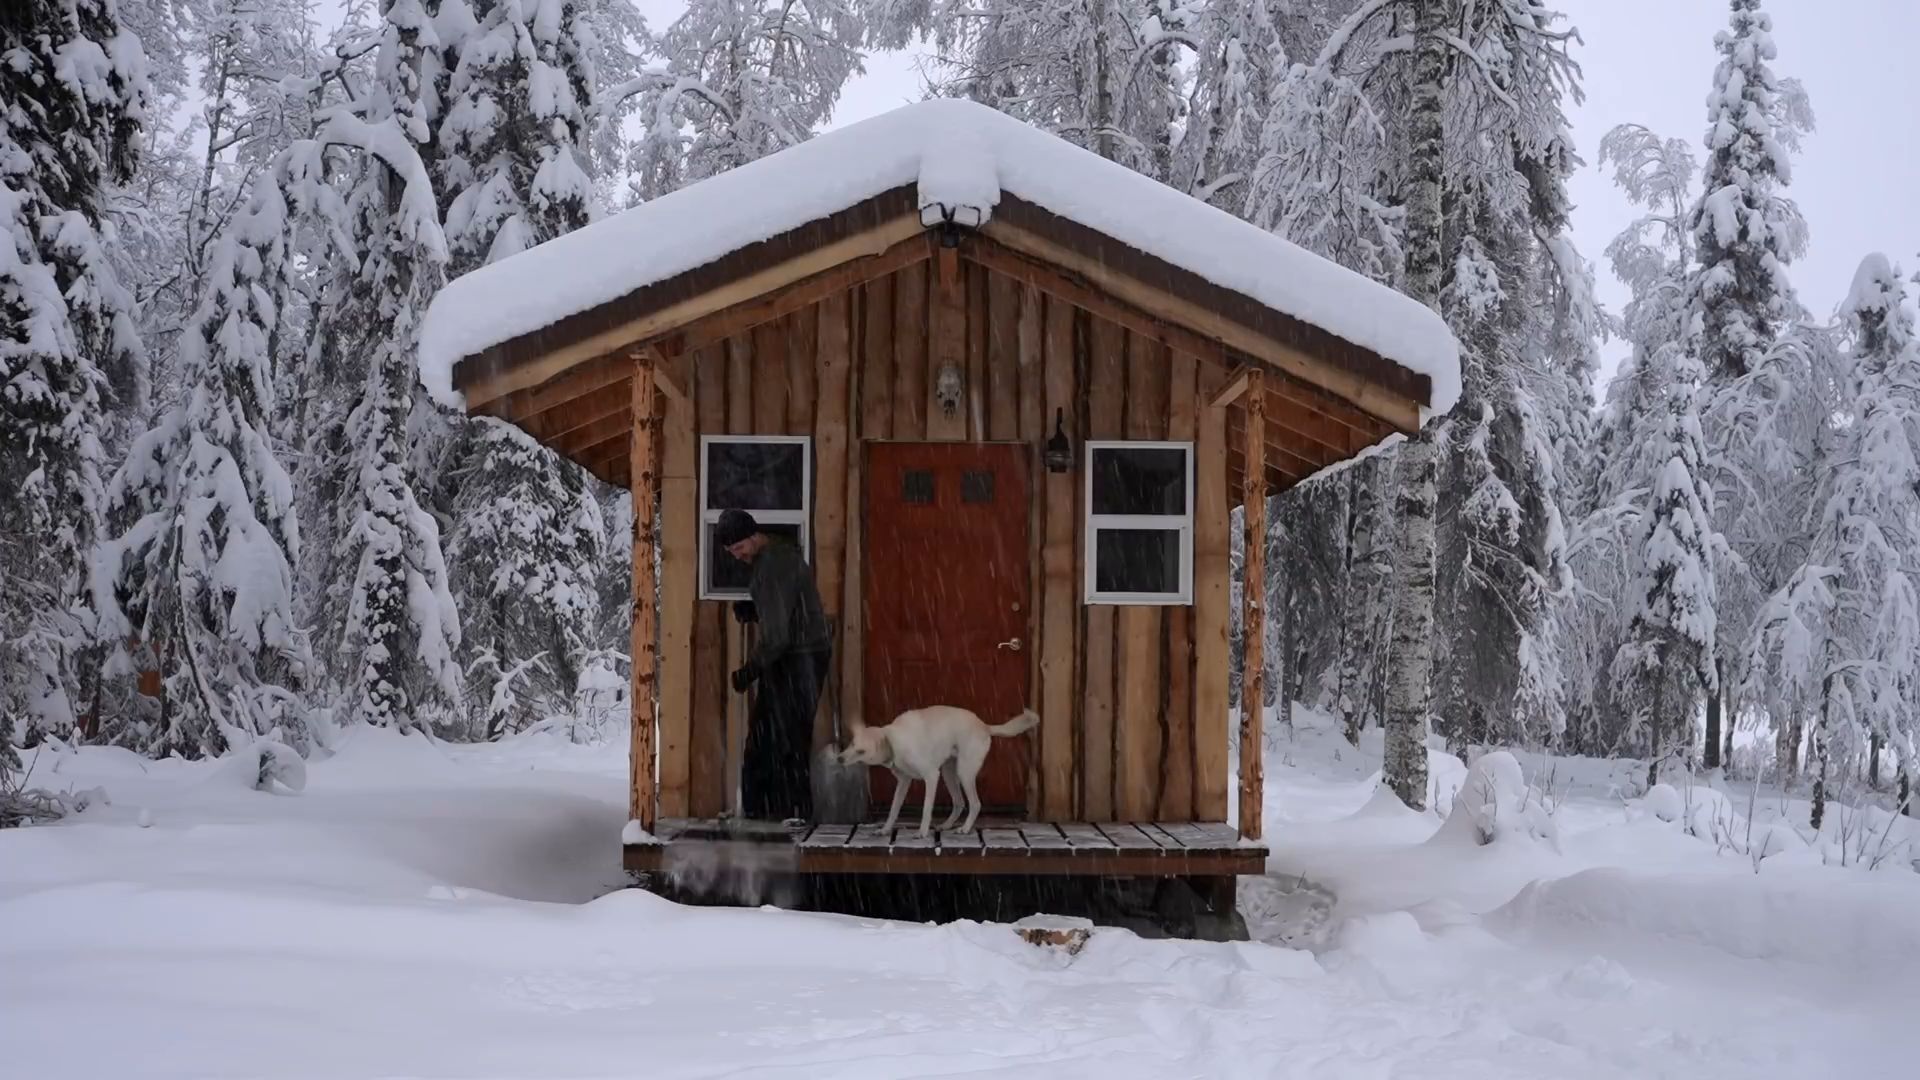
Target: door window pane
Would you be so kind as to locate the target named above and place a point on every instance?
(976, 487)
(916, 487)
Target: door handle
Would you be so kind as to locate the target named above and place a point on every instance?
(1013, 645)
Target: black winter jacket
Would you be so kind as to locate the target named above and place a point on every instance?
(787, 606)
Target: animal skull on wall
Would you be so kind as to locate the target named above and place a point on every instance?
(947, 388)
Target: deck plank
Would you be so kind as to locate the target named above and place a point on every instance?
(1086, 837)
(1002, 841)
(1160, 836)
(1129, 837)
(1213, 836)
(908, 838)
(955, 842)
(828, 836)
(871, 836)
(1044, 837)
(1194, 836)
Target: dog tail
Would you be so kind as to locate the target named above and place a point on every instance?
(1026, 721)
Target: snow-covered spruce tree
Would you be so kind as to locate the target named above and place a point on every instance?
(1098, 73)
(1769, 390)
(1518, 297)
(1744, 231)
(525, 532)
(1327, 167)
(1844, 630)
(392, 623)
(1653, 256)
(1666, 662)
(742, 79)
(197, 582)
(73, 95)
(1236, 52)
(527, 541)
(511, 142)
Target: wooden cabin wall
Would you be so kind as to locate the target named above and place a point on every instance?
(1132, 699)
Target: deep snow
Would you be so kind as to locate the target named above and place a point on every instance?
(425, 910)
(960, 156)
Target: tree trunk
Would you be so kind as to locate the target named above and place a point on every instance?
(1819, 762)
(1356, 638)
(1657, 731)
(1730, 708)
(1906, 794)
(1819, 781)
(1713, 760)
(1102, 119)
(1410, 690)
(1786, 748)
(1873, 761)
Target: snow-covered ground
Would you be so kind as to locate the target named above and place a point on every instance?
(434, 911)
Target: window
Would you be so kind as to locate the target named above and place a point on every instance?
(1139, 523)
(916, 487)
(771, 477)
(976, 487)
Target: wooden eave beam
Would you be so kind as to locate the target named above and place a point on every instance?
(751, 311)
(1072, 289)
(1236, 386)
(596, 374)
(1313, 429)
(609, 427)
(661, 321)
(663, 376)
(556, 423)
(602, 454)
(1361, 429)
(1402, 412)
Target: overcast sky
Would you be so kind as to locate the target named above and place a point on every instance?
(1650, 62)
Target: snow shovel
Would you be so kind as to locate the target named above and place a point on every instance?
(839, 791)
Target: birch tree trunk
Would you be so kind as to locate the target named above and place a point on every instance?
(1409, 691)
(1366, 574)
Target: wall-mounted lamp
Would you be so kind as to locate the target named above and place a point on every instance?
(949, 229)
(1059, 455)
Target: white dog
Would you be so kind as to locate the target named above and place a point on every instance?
(926, 744)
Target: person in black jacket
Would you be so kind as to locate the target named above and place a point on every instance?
(789, 662)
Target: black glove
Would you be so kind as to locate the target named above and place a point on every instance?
(744, 678)
(744, 613)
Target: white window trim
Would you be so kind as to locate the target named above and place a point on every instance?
(801, 517)
(1182, 523)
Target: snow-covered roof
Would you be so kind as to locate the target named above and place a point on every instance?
(960, 156)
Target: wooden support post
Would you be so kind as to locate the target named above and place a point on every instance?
(1253, 677)
(645, 487)
(1212, 590)
(678, 470)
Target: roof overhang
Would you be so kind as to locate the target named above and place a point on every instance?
(878, 235)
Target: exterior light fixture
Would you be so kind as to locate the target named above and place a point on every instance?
(1059, 455)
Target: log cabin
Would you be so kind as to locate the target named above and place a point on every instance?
(1005, 395)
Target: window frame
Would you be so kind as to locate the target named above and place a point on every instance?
(803, 517)
(1182, 524)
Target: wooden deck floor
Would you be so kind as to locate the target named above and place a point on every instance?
(1148, 849)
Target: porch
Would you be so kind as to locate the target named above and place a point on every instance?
(996, 847)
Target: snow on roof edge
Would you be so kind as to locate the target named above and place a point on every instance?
(960, 156)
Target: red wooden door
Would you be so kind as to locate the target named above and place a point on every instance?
(946, 594)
